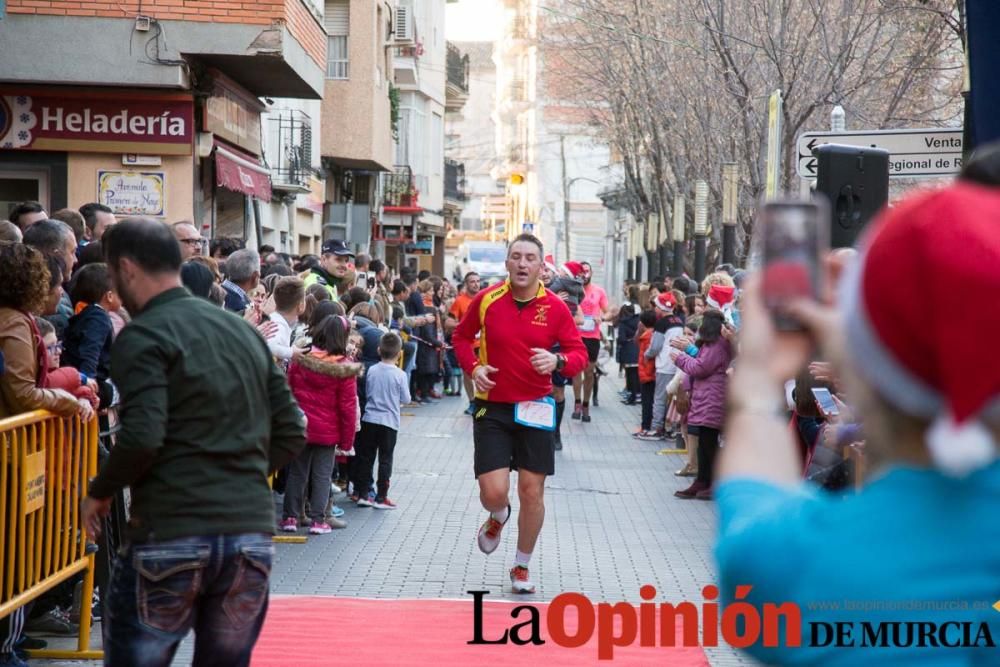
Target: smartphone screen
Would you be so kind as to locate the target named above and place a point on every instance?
(825, 402)
(371, 282)
(792, 239)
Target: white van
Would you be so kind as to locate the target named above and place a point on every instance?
(486, 258)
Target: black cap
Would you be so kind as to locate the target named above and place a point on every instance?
(335, 247)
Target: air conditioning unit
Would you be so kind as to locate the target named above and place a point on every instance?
(403, 25)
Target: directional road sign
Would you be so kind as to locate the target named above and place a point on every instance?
(912, 153)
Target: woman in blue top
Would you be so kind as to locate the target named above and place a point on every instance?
(906, 571)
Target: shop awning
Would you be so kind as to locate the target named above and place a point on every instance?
(240, 172)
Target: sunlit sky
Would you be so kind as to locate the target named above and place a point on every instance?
(472, 20)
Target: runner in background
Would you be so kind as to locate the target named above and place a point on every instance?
(470, 288)
(596, 310)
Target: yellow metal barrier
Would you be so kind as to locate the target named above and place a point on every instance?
(285, 539)
(45, 464)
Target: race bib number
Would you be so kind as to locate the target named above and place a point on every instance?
(539, 414)
(589, 324)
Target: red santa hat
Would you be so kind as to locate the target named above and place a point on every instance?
(720, 296)
(913, 360)
(550, 264)
(572, 269)
(666, 301)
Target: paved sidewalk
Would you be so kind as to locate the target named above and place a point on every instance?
(612, 523)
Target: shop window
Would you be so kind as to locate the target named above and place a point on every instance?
(17, 186)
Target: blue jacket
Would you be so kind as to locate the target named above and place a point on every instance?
(87, 342)
(235, 301)
(372, 336)
(628, 328)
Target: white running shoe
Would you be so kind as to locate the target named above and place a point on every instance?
(489, 533)
(519, 582)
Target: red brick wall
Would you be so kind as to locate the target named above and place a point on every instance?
(307, 30)
(300, 22)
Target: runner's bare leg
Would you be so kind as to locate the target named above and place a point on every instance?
(530, 491)
(494, 489)
(588, 383)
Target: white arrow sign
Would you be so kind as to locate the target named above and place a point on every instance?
(912, 153)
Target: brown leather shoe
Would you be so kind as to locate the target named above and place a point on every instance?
(692, 491)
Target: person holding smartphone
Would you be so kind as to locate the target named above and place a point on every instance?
(924, 527)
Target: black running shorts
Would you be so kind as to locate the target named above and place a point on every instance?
(593, 348)
(503, 444)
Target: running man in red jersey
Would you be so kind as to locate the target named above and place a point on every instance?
(518, 321)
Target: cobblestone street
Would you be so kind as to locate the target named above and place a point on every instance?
(612, 523)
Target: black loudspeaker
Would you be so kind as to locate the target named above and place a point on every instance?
(856, 181)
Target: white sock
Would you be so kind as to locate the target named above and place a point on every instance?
(502, 515)
(521, 559)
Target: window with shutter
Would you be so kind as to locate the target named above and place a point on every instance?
(337, 21)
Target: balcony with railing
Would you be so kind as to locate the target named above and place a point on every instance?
(516, 155)
(406, 63)
(457, 90)
(519, 90)
(454, 181)
(289, 150)
(399, 191)
(520, 28)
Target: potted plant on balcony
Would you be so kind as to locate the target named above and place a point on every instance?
(394, 190)
(408, 197)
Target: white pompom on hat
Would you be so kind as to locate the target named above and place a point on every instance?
(930, 350)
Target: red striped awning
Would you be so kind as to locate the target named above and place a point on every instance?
(241, 172)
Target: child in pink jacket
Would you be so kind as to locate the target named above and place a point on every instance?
(324, 382)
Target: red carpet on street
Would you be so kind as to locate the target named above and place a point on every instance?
(303, 631)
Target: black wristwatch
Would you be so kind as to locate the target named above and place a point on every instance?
(560, 362)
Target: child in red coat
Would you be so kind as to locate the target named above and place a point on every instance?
(647, 370)
(324, 382)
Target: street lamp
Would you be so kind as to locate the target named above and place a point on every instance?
(678, 234)
(566, 186)
(838, 119)
(730, 212)
(700, 228)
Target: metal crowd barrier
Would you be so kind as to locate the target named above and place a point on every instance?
(45, 464)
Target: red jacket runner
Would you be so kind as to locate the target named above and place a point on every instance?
(507, 336)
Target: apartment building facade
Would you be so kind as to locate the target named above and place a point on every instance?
(470, 139)
(357, 116)
(97, 104)
(516, 115)
(412, 225)
(552, 163)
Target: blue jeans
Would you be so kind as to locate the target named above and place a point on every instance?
(216, 585)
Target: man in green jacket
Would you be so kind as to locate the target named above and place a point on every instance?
(206, 416)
